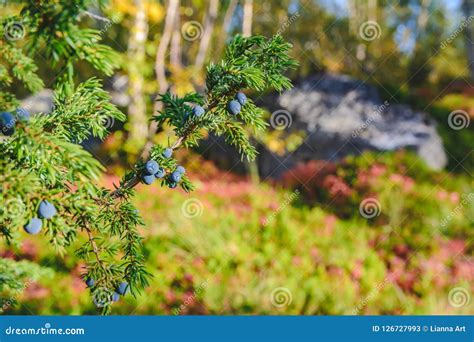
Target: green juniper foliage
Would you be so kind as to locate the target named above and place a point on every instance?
(42, 160)
(16, 276)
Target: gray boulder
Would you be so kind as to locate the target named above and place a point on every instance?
(340, 116)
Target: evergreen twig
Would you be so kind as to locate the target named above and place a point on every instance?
(43, 160)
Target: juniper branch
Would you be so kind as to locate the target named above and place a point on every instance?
(59, 169)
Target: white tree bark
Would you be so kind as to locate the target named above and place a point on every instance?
(248, 18)
(160, 62)
(175, 50)
(207, 34)
(423, 17)
(229, 14)
(160, 67)
(137, 120)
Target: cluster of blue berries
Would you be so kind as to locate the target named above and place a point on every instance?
(235, 106)
(8, 120)
(46, 211)
(153, 170)
(176, 176)
(120, 290)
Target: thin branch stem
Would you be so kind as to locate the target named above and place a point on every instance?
(135, 180)
(95, 249)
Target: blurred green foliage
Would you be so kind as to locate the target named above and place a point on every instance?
(227, 248)
(252, 239)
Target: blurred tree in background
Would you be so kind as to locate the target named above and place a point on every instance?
(408, 52)
(419, 52)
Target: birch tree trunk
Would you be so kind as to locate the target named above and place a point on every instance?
(175, 50)
(248, 17)
(423, 17)
(229, 14)
(160, 62)
(207, 34)
(160, 67)
(137, 119)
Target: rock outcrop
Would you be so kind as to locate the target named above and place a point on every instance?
(340, 116)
